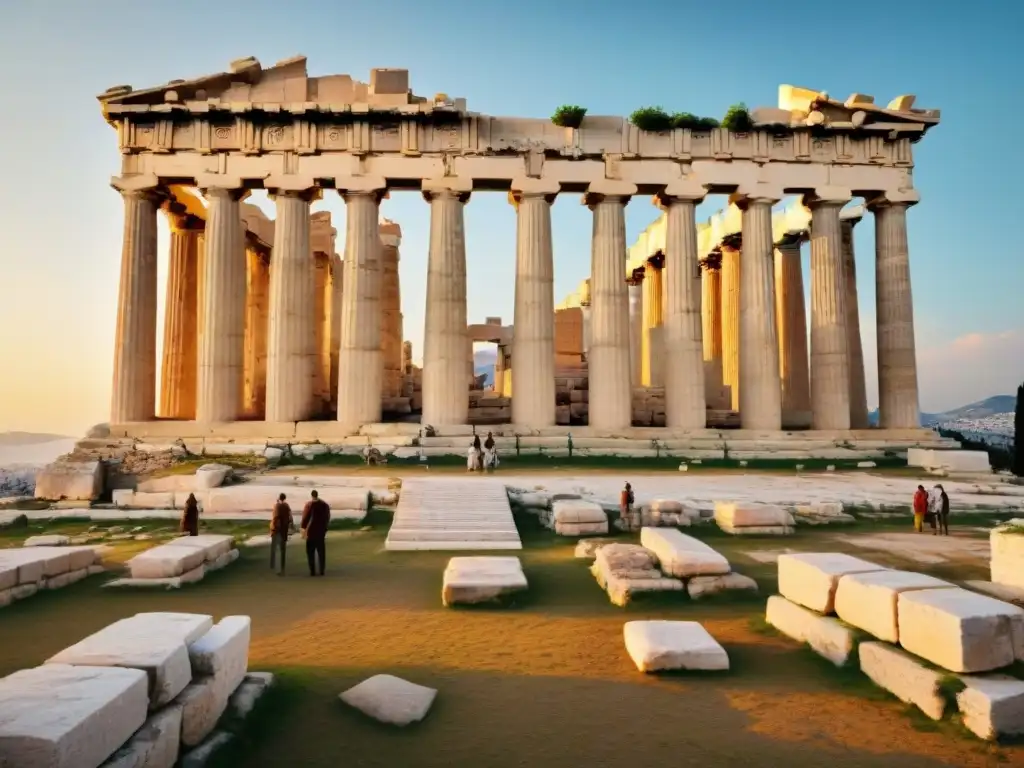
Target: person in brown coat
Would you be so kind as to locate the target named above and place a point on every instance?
(280, 525)
(315, 519)
(626, 501)
(190, 516)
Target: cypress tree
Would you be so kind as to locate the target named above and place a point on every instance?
(1018, 433)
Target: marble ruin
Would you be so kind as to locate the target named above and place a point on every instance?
(697, 325)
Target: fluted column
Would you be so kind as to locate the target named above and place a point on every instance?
(391, 310)
(730, 280)
(337, 292)
(791, 320)
(760, 392)
(611, 398)
(533, 343)
(360, 363)
(133, 397)
(653, 318)
(257, 299)
(830, 363)
(683, 348)
(445, 390)
(220, 359)
(635, 292)
(711, 327)
(858, 391)
(291, 340)
(321, 331)
(178, 371)
(897, 360)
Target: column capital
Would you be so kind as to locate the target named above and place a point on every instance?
(361, 185)
(751, 194)
(527, 188)
(142, 184)
(608, 190)
(303, 187)
(213, 184)
(825, 196)
(851, 215)
(899, 197)
(460, 187)
(681, 191)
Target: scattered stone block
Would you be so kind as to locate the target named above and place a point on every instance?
(581, 529)
(260, 540)
(201, 755)
(622, 588)
(903, 676)
(155, 643)
(211, 476)
(6, 597)
(668, 645)
(213, 545)
(59, 716)
(959, 630)
(243, 701)
(742, 515)
(759, 530)
(155, 745)
(811, 579)
(390, 699)
(683, 556)
(575, 517)
(866, 464)
(1007, 547)
(51, 540)
(472, 580)
(705, 586)
(586, 549)
(223, 561)
(24, 590)
(868, 601)
(1002, 592)
(165, 561)
(826, 636)
(70, 480)
(992, 706)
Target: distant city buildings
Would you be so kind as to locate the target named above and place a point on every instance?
(995, 430)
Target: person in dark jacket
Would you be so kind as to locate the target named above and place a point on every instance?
(280, 526)
(943, 511)
(190, 516)
(315, 519)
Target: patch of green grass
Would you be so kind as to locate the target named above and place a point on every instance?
(262, 723)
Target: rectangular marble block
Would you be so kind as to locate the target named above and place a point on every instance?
(58, 716)
(155, 745)
(212, 545)
(811, 579)
(741, 515)
(903, 676)
(220, 659)
(992, 706)
(961, 631)
(165, 561)
(469, 580)
(578, 511)
(826, 636)
(155, 643)
(683, 556)
(868, 600)
(669, 645)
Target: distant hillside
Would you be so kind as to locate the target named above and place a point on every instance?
(483, 362)
(990, 406)
(29, 438)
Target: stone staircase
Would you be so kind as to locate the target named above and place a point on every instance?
(450, 514)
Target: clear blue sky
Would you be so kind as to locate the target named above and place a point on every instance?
(61, 223)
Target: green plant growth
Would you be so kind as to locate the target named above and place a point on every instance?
(737, 119)
(693, 122)
(948, 687)
(569, 116)
(653, 119)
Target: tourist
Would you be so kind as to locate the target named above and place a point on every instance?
(315, 519)
(280, 526)
(934, 509)
(626, 506)
(943, 511)
(920, 508)
(490, 453)
(471, 457)
(478, 453)
(190, 516)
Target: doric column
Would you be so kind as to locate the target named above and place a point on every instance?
(291, 339)
(711, 326)
(391, 309)
(897, 360)
(730, 281)
(360, 364)
(653, 317)
(858, 392)
(133, 397)
(791, 320)
(337, 291)
(760, 392)
(321, 331)
(257, 310)
(683, 347)
(533, 342)
(445, 390)
(611, 397)
(221, 340)
(635, 291)
(830, 363)
(178, 371)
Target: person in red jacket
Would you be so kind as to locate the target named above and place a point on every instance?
(315, 519)
(920, 508)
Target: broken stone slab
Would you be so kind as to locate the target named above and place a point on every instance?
(70, 480)
(683, 556)
(903, 676)
(155, 745)
(1007, 547)
(212, 476)
(213, 545)
(166, 561)
(51, 540)
(223, 561)
(758, 530)
(811, 579)
(155, 643)
(581, 529)
(959, 630)
(586, 549)
(247, 695)
(472, 580)
(868, 601)
(622, 586)
(625, 557)
(669, 645)
(60, 716)
(390, 699)
(578, 511)
(732, 515)
(223, 650)
(826, 636)
(205, 752)
(705, 586)
(530, 500)
(992, 706)
(259, 540)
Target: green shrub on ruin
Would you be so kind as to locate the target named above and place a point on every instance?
(693, 122)
(737, 119)
(569, 116)
(651, 119)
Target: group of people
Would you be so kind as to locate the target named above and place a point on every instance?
(931, 507)
(316, 517)
(480, 458)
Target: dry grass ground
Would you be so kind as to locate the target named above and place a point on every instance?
(544, 683)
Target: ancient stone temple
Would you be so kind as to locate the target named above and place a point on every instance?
(707, 315)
